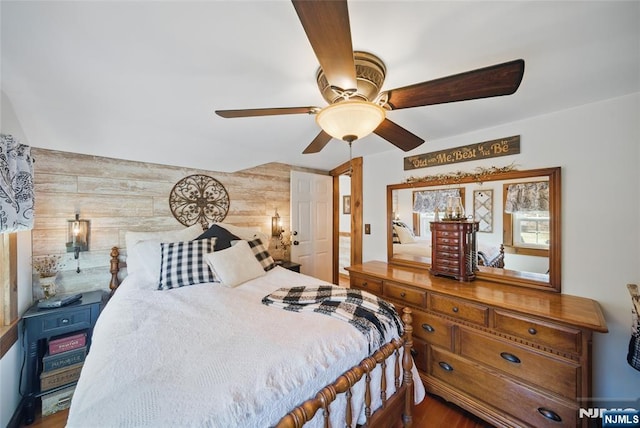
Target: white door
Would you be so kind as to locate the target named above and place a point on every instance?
(311, 223)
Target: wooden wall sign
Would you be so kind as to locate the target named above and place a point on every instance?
(484, 150)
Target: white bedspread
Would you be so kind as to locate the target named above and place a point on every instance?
(416, 248)
(207, 355)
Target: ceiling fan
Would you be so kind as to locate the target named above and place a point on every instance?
(351, 82)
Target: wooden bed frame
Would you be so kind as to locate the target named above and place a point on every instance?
(396, 410)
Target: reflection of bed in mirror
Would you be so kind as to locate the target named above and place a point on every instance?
(416, 248)
(491, 257)
(406, 243)
(408, 246)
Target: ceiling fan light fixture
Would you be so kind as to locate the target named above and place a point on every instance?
(346, 119)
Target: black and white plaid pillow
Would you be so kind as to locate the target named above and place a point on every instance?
(396, 238)
(183, 263)
(262, 254)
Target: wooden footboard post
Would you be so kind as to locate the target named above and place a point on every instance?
(407, 366)
(400, 404)
(115, 267)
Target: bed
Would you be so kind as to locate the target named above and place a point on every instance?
(214, 354)
(419, 248)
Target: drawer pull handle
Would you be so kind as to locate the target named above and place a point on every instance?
(455, 309)
(64, 321)
(414, 352)
(510, 357)
(549, 414)
(428, 328)
(403, 294)
(532, 330)
(445, 366)
(364, 284)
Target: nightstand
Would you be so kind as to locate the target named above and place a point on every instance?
(289, 265)
(40, 326)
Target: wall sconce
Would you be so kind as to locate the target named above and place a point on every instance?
(77, 237)
(276, 224)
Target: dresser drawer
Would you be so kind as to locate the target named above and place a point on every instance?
(528, 406)
(459, 308)
(419, 352)
(449, 241)
(448, 234)
(555, 336)
(439, 269)
(433, 329)
(447, 260)
(369, 284)
(444, 226)
(405, 294)
(452, 249)
(63, 321)
(550, 373)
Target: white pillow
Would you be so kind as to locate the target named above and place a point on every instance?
(139, 256)
(247, 233)
(404, 234)
(235, 265)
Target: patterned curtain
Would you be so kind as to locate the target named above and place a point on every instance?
(523, 197)
(427, 200)
(16, 185)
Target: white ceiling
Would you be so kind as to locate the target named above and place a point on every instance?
(141, 80)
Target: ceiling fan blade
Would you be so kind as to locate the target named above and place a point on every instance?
(398, 136)
(327, 26)
(266, 111)
(318, 143)
(492, 81)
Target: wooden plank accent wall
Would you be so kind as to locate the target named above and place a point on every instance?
(119, 195)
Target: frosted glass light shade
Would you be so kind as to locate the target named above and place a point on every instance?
(350, 120)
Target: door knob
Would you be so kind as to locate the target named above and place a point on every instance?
(296, 243)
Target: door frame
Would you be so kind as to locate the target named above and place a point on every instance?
(355, 165)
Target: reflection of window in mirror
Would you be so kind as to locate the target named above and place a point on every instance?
(425, 203)
(531, 229)
(526, 218)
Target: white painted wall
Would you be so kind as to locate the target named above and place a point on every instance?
(598, 148)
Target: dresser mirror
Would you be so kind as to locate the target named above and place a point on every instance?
(519, 237)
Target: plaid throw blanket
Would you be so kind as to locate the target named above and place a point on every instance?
(372, 316)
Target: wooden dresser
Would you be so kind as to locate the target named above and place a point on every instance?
(513, 356)
(454, 249)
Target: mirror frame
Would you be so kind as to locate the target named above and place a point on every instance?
(506, 276)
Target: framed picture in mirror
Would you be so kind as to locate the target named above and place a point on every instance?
(483, 209)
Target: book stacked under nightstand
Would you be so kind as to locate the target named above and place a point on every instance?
(57, 342)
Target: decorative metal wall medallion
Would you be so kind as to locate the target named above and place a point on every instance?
(199, 199)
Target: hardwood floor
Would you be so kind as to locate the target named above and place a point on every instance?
(433, 412)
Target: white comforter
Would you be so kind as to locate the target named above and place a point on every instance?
(207, 355)
(416, 248)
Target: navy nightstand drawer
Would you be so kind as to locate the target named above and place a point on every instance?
(80, 318)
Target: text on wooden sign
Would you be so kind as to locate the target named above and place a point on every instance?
(486, 149)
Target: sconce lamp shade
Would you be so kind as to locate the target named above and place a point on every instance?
(77, 235)
(276, 224)
(350, 120)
